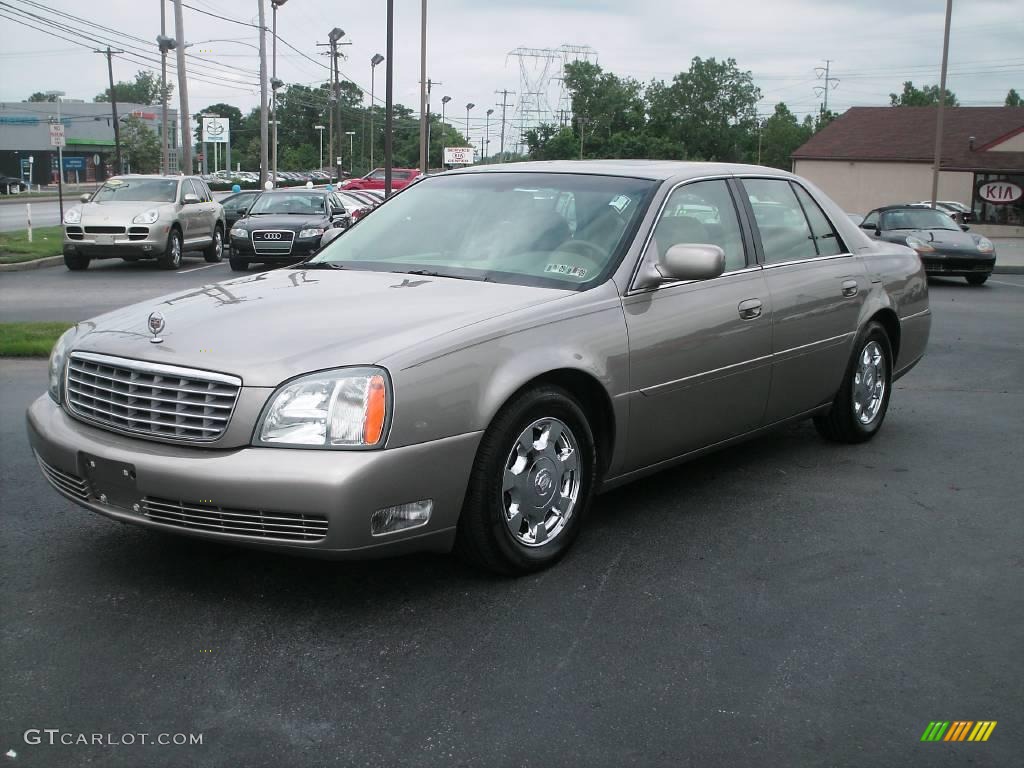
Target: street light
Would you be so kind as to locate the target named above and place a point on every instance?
(377, 59)
(487, 130)
(274, 83)
(321, 129)
(351, 151)
(468, 107)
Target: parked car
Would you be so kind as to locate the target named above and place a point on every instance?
(355, 207)
(478, 358)
(285, 225)
(370, 198)
(136, 217)
(11, 185)
(237, 205)
(944, 246)
(400, 178)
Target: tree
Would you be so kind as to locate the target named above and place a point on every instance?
(145, 89)
(781, 135)
(605, 107)
(928, 96)
(708, 112)
(140, 146)
(39, 96)
(1013, 99)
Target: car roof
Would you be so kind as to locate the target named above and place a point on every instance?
(660, 170)
(902, 207)
(161, 176)
(295, 191)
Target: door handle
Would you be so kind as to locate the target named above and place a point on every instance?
(749, 309)
(850, 288)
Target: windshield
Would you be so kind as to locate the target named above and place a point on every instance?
(558, 230)
(283, 202)
(137, 190)
(917, 218)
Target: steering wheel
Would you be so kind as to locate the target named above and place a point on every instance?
(585, 248)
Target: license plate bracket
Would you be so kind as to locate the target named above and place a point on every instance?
(113, 482)
(104, 239)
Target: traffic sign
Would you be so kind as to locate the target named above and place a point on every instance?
(57, 135)
(458, 155)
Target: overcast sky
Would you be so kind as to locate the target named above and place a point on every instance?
(874, 45)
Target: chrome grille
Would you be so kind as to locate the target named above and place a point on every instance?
(71, 484)
(239, 522)
(150, 399)
(272, 241)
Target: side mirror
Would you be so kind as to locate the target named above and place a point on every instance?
(337, 211)
(698, 261)
(85, 198)
(190, 199)
(965, 228)
(865, 225)
(330, 236)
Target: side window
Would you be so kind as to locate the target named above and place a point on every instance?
(702, 212)
(187, 189)
(825, 237)
(207, 194)
(785, 234)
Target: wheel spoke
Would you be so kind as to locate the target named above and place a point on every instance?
(569, 460)
(539, 532)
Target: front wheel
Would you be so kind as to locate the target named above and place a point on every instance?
(977, 279)
(76, 262)
(863, 399)
(237, 264)
(531, 484)
(171, 257)
(214, 253)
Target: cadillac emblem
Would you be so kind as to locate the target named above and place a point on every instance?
(156, 326)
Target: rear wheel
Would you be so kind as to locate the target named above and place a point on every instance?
(863, 399)
(171, 257)
(977, 279)
(238, 264)
(531, 484)
(214, 253)
(76, 262)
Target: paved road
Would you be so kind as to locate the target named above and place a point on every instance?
(785, 603)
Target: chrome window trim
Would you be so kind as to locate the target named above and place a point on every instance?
(677, 283)
(633, 290)
(808, 261)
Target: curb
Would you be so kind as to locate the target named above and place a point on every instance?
(1008, 270)
(22, 266)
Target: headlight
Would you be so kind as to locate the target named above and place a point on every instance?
(315, 232)
(58, 359)
(73, 216)
(343, 408)
(238, 232)
(984, 244)
(919, 245)
(148, 217)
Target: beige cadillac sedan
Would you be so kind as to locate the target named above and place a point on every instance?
(476, 359)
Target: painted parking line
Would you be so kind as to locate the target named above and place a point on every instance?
(196, 269)
(1002, 282)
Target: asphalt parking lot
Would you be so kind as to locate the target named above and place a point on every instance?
(786, 603)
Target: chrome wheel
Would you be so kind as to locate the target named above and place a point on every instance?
(175, 259)
(869, 383)
(541, 483)
(218, 246)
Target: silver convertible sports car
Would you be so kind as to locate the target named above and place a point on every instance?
(467, 366)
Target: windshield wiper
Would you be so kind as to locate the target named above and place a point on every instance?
(431, 273)
(320, 265)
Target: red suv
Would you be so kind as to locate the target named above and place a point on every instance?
(400, 177)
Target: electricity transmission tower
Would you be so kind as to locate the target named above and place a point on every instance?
(824, 73)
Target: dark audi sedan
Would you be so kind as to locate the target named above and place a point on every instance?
(945, 247)
(285, 226)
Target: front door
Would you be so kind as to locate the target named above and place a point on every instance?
(699, 352)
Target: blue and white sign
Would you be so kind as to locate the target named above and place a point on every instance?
(74, 163)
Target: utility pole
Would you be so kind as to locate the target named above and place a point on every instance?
(423, 87)
(942, 103)
(185, 115)
(377, 59)
(274, 82)
(333, 37)
(583, 126)
(430, 121)
(824, 74)
(165, 44)
(504, 104)
(469, 106)
(113, 105)
(389, 92)
(487, 131)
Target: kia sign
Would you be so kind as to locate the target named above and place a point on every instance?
(1000, 192)
(458, 155)
(216, 130)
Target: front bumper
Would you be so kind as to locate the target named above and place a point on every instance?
(958, 264)
(242, 248)
(140, 241)
(345, 487)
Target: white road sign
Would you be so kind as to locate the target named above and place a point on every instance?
(216, 130)
(57, 135)
(458, 155)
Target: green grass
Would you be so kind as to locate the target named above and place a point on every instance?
(29, 339)
(46, 241)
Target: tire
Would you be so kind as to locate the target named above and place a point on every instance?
(76, 262)
(485, 534)
(171, 257)
(977, 279)
(130, 259)
(859, 397)
(214, 253)
(238, 265)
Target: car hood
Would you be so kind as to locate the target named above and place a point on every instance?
(271, 326)
(119, 212)
(282, 221)
(939, 239)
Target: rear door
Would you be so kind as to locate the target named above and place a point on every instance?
(699, 351)
(817, 289)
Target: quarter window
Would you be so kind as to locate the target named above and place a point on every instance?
(785, 234)
(702, 212)
(825, 237)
